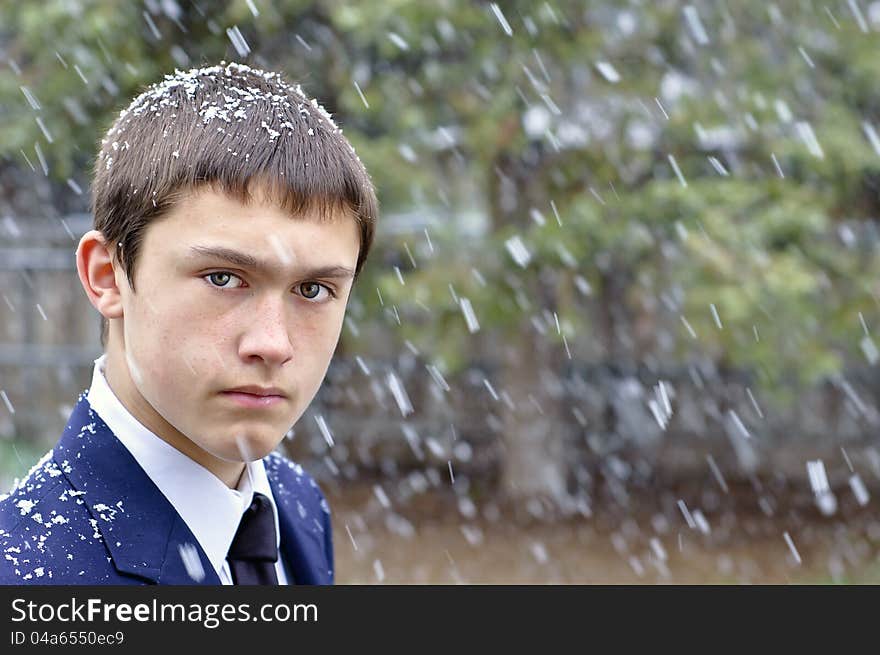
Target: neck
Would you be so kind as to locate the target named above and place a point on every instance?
(121, 384)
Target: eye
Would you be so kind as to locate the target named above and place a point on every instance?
(311, 291)
(223, 280)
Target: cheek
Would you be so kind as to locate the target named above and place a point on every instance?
(175, 341)
(315, 341)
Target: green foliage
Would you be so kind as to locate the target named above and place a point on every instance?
(15, 460)
(463, 116)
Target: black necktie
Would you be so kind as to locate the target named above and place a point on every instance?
(254, 551)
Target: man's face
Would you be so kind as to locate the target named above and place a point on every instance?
(231, 296)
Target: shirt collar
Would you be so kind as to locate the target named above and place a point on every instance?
(187, 485)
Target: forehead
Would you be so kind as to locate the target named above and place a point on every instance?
(261, 227)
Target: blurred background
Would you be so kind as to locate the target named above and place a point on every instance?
(618, 323)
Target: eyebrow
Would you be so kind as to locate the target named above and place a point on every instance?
(245, 260)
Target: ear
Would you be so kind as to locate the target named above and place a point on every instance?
(94, 264)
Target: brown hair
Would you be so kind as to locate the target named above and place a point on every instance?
(231, 127)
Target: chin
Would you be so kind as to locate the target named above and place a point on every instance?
(251, 447)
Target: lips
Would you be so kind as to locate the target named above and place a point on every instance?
(254, 396)
(251, 400)
(255, 390)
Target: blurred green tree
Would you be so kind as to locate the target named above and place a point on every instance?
(604, 182)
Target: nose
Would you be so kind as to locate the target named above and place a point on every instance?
(266, 336)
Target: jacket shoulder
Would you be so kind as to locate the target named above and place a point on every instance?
(45, 533)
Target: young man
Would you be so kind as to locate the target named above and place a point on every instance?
(231, 220)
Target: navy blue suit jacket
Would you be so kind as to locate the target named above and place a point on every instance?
(87, 513)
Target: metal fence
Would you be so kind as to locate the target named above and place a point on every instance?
(49, 333)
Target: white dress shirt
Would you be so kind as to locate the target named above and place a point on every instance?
(189, 487)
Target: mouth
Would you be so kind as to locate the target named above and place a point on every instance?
(253, 399)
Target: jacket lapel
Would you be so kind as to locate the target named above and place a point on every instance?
(300, 546)
(143, 533)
